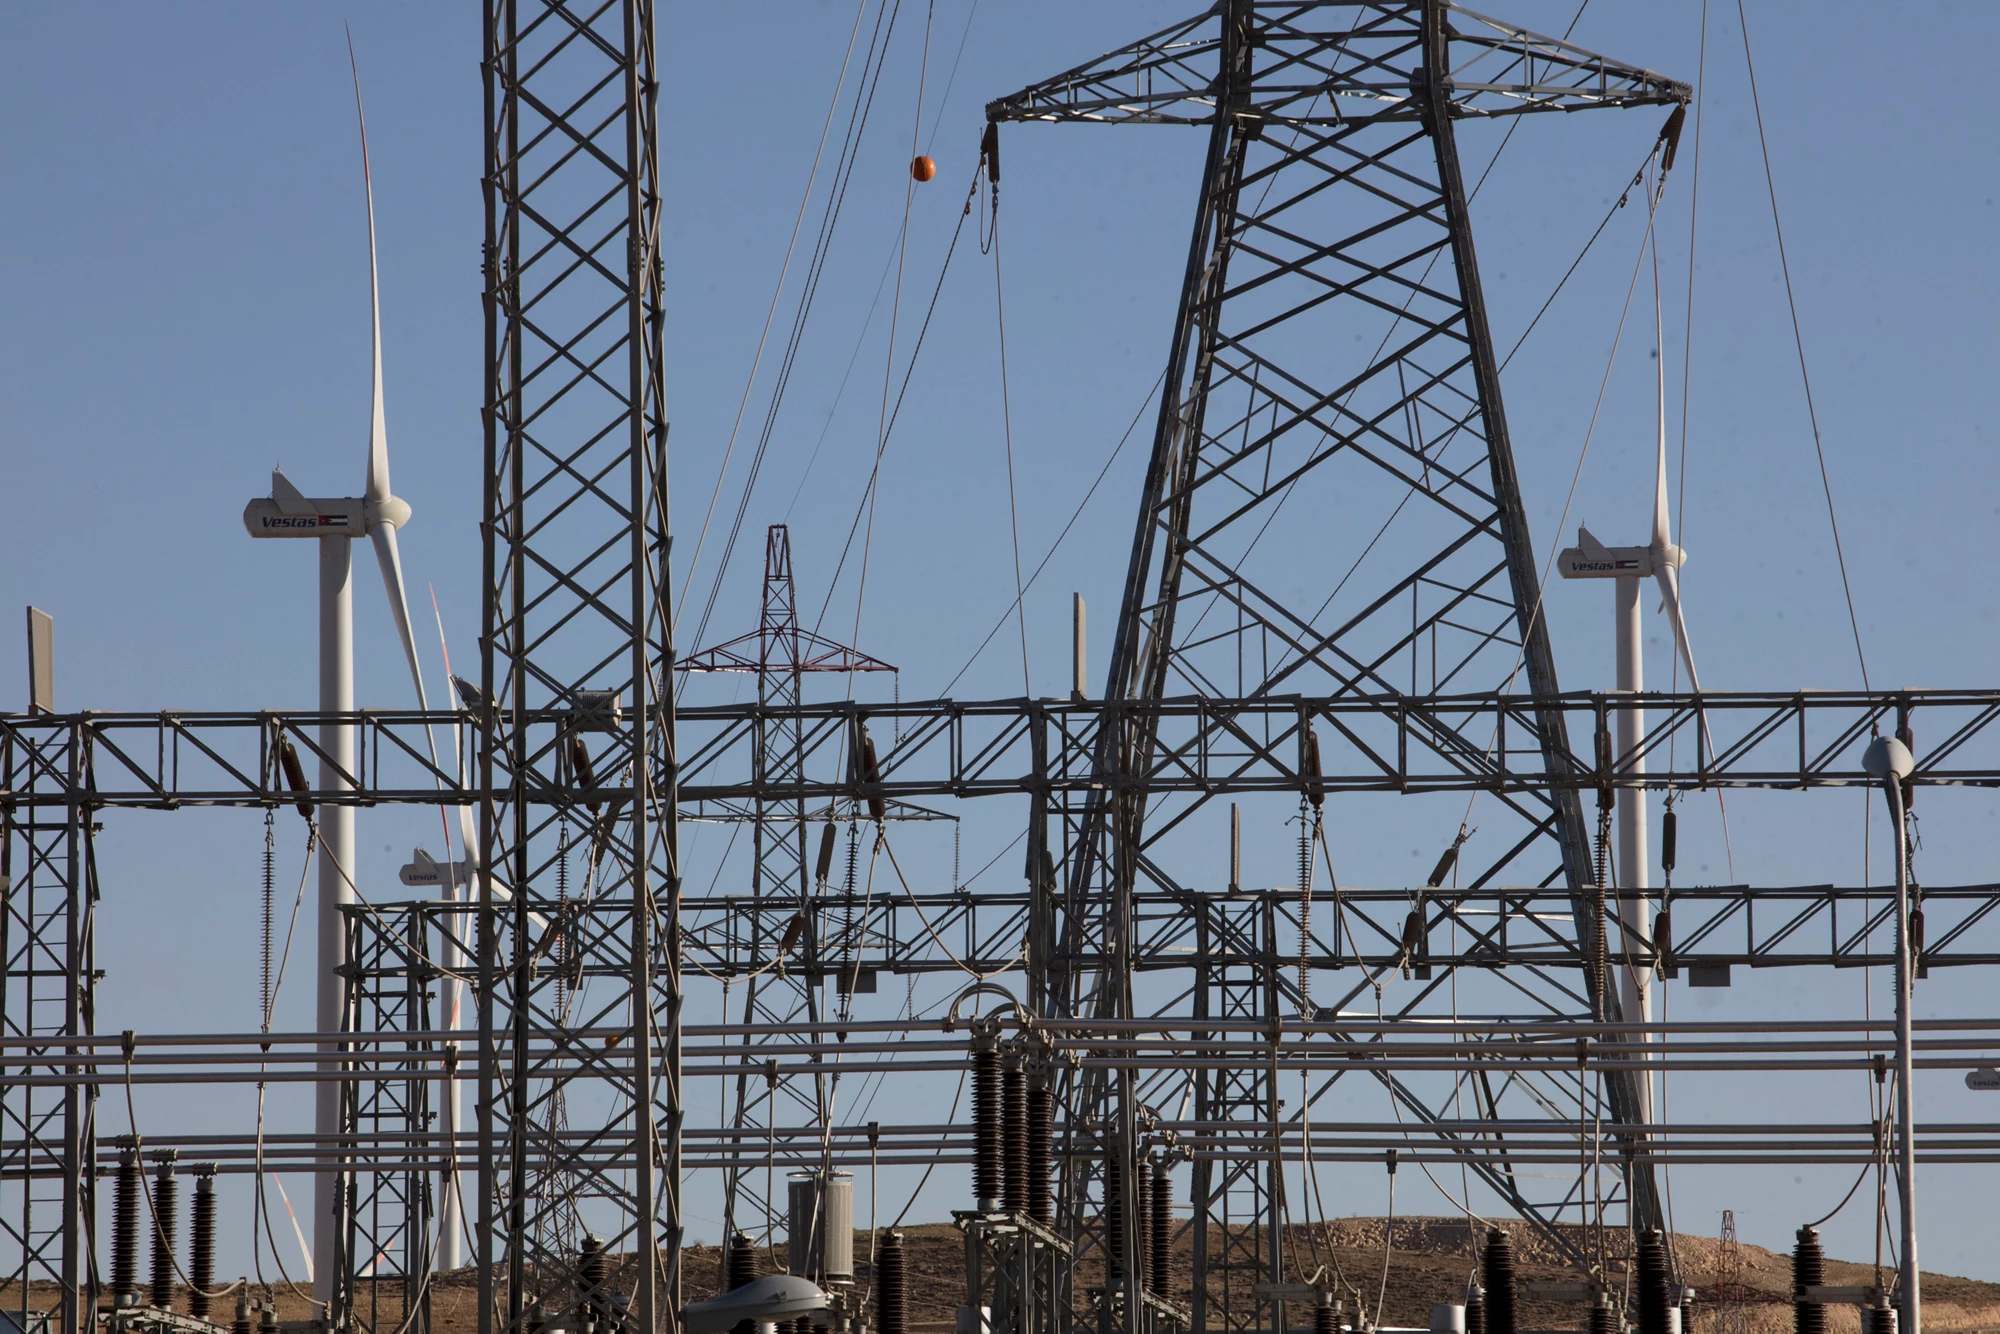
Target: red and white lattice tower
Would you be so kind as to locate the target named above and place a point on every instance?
(1731, 1300)
(787, 997)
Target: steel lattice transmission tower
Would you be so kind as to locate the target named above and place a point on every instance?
(1731, 1297)
(578, 1138)
(48, 1148)
(1330, 508)
(787, 954)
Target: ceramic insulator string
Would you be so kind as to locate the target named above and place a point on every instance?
(165, 1215)
(986, 1136)
(892, 1291)
(125, 1231)
(1499, 1273)
(1014, 1134)
(201, 1244)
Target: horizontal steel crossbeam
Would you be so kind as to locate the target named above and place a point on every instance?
(971, 748)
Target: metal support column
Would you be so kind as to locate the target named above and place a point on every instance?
(577, 765)
(48, 896)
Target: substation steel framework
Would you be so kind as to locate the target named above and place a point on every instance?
(1331, 375)
(48, 1137)
(1332, 199)
(392, 992)
(576, 680)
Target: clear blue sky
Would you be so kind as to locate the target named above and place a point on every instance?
(185, 304)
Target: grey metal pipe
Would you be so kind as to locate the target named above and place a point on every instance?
(1906, 1154)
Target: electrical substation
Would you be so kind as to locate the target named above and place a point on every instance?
(511, 1090)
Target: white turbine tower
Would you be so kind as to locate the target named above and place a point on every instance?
(1629, 567)
(334, 524)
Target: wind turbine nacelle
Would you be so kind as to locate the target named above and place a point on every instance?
(1591, 559)
(1606, 563)
(265, 517)
(425, 870)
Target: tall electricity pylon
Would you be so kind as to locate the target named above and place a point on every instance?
(1331, 507)
(788, 961)
(579, 1002)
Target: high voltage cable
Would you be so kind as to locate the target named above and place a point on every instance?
(868, 321)
(1077, 514)
(875, 471)
(830, 221)
(895, 318)
(1680, 540)
(1799, 340)
(1007, 431)
(773, 313)
(881, 283)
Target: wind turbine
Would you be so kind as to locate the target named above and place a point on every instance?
(1629, 567)
(334, 523)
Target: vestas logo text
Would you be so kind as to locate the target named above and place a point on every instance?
(303, 521)
(1604, 565)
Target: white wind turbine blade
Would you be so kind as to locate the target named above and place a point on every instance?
(468, 832)
(1666, 559)
(383, 527)
(1662, 540)
(1670, 597)
(1666, 556)
(391, 561)
(468, 829)
(378, 430)
(386, 511)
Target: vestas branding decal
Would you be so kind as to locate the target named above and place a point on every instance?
(302, 521)
(1593, 565)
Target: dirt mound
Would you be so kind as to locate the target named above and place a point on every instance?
(1409, 1265)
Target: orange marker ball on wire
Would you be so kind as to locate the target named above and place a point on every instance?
(923, 168)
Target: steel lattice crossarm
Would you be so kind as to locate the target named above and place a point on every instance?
(1337, 62)
(1367, 931)
(970, 748)
(1390, 743)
